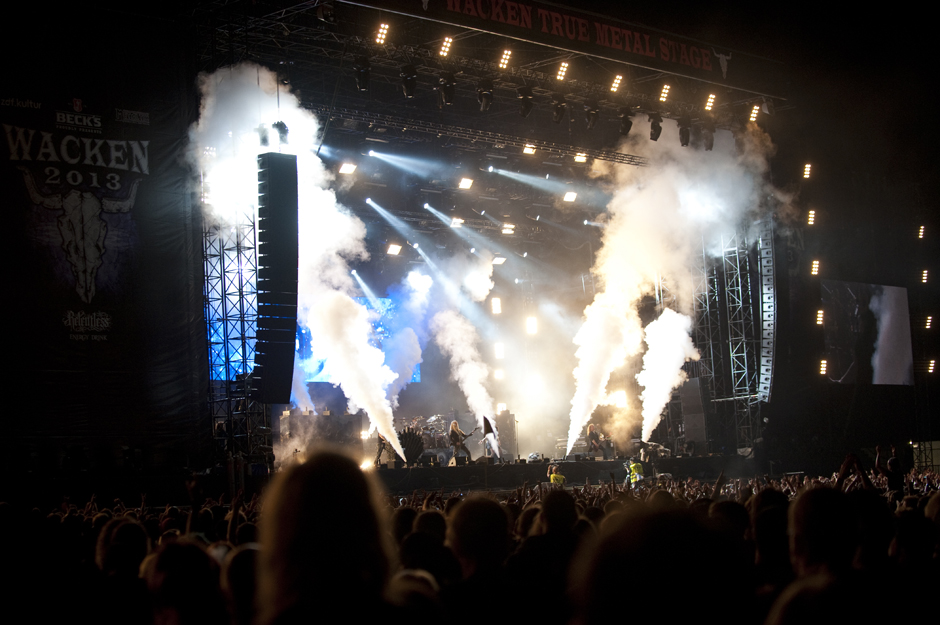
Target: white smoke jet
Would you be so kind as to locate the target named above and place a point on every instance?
(299, 393)
(657, 220)
(408, 334)
(668, 346)
(239, 107)
(458, 340)
(342, 339)
(610, 333)
(403, 352)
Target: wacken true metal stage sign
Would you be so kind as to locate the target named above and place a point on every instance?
(595, 35)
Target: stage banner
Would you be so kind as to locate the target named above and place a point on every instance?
(596, 35)
(105, 264)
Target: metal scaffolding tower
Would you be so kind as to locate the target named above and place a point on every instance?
(742, 339)
(231, 309)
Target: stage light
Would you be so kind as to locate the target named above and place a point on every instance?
(426, 205)
(496, 305)
(500, 408)
(485, 94)
(394, 249)
(465, 183)
(282, 131)
(528, 149)
(811, 218)
(414, 245)
(656, 126)
(446, 86)
(685, 130)
(570, 196)
(591, 112)
(531, 325)
(366, 465)
(499, 351)
(409, 80)
(326, 13)
(930, 366)
(923, 277)
(525, 100)
(754, 111)
(498, 374)
(371, 152)
(806, 168)
(822, 367)
(559, 106)
(585, 222)
(626, 121)
(819, 317)
(363, 71)
(927, 325)
(354, 272)
(445, 47)
(711, 102)
(499, 260)
(364, 435)
(815, 270)
(456, 222)
(664, 93)
(504, 62)
(708, 134)
(616, 84)
(562, 70)
(347, 168)
(920, 233)
(380, 36)
(508, 231)
(620, 399)
(580, 157)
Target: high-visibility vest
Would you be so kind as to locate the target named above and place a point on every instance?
(636, 472)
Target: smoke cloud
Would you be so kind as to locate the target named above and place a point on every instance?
(657, 221)
(240, 106)
(668, 346)
(457, 339)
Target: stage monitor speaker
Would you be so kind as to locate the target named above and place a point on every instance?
(277, 278)
(693, 415)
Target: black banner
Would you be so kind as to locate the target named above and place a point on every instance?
(105, 266)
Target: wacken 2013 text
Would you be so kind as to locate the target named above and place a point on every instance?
(24, 145)
(575, 28)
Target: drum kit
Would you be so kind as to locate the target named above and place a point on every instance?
(425, 436)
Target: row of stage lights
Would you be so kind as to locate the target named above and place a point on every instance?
(348, 168)
(446, 89)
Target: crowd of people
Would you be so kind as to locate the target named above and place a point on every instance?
(324, 542)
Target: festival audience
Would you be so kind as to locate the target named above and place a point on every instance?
(853, 545)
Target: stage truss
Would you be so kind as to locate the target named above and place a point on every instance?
(737, 352)
(231, 310)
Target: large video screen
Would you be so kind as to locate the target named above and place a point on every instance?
(385, 310)
(868, 333)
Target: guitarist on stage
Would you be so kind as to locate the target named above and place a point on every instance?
(594, 442)
(457, 437)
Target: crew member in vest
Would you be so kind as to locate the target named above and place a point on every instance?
(555, 476)
(636, 472)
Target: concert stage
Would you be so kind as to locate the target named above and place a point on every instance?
(509, 476)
